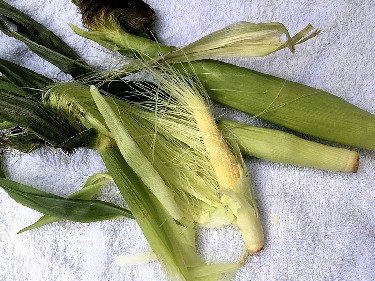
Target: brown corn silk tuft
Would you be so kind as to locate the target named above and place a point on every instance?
(130, 14)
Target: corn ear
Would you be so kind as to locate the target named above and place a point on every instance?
(231, 176)
(295, 106)
(278, 146)
(227, 166)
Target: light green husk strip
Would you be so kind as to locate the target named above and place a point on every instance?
(90, 189)
(243, 39)
(278, 146)
(205, 272)
(215, 272)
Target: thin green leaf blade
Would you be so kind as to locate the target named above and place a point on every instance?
(35, 30)
(70, 209)
(42, 41)
(44, 220)
(8, 86)
(90, 189)
(92, 186)
(25, 78)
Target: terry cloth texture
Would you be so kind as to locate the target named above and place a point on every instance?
(318, 225)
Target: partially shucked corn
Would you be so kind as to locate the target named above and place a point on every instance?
(186, 162)
(232, 179)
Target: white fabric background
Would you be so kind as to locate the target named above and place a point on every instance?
(318, 225)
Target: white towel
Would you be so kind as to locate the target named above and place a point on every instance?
(318, 225)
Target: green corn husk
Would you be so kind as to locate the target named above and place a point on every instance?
(90, 189)
(24, 78)
(157, 225)
(242, 39)
(174, 130)
(173, 244)
(278, 146)
(71, 209)
(126, 44)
